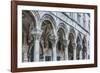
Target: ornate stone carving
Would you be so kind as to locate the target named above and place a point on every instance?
(36, 33)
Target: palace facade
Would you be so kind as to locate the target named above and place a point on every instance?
(55, 36)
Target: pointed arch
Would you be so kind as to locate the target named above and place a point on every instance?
(72, 35)
(79, 46)
(50, 18)
(71, 45)
(60, 44)
(48, 26)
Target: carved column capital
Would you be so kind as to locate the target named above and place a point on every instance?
(53, 39)
(36, 33)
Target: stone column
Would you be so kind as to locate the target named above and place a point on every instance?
(87, 53)
(36, 50)
(74, 50)
(54, 51)
(80, 54)
(54, 43)
(66, 42)
(25, 49)
(80, 50)
(36, 34)
(29, 52)
(87, 50)
(75, 53)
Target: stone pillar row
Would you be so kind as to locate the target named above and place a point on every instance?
(36, 51)
(37, 34)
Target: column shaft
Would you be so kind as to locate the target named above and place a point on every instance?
(25, 47)
(25, 57)
(80, 54)
(36, 50)
(66, 51)
(74, 53)
(54, 53)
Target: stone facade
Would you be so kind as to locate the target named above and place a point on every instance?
(55, 36)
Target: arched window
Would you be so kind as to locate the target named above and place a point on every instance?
(79, 46)
(60, 44)
(71, 45)
(46, 41)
